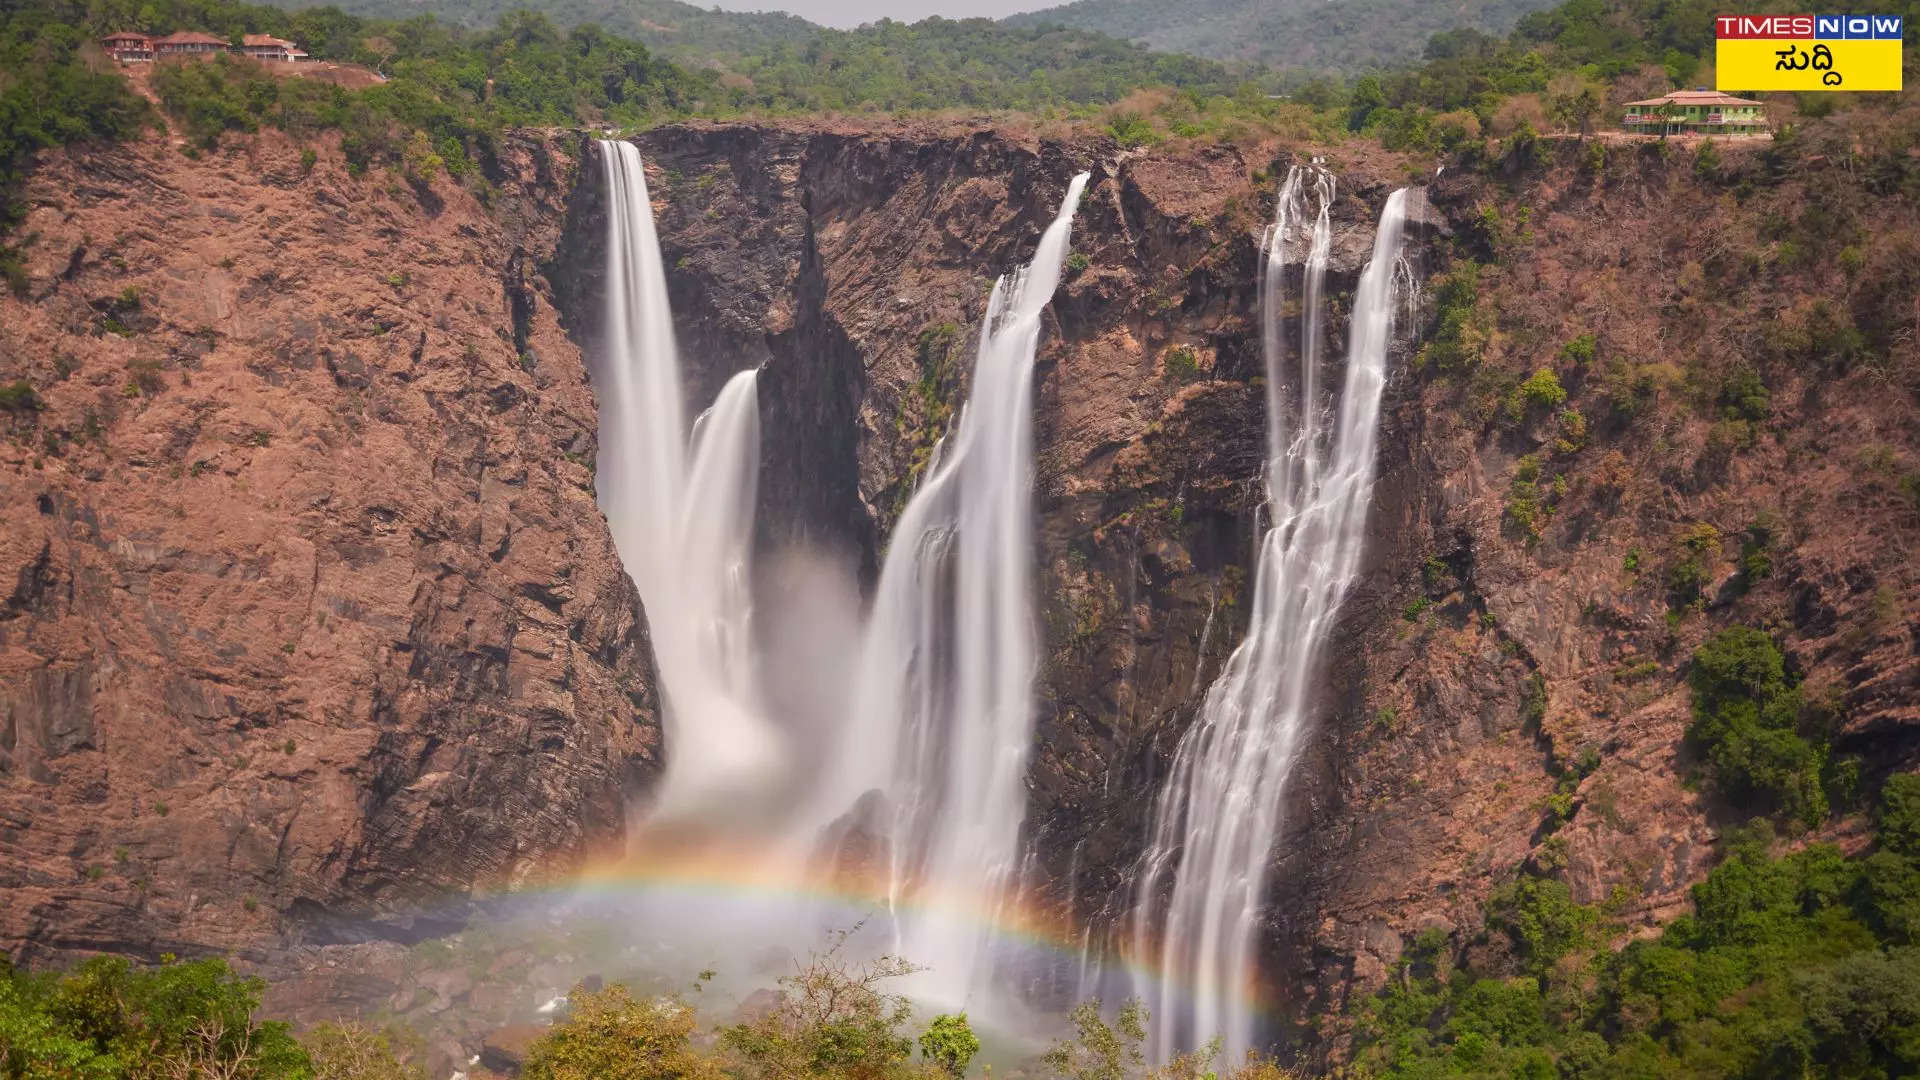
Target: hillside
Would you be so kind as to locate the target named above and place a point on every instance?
(668, 26)
(775, 60)
(1339, 36)
(974, 63)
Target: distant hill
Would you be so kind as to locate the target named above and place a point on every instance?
(1332, 35)
(782, 61)
(968, 62)
(667, 26)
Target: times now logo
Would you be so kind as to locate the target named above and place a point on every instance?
(1824, 27)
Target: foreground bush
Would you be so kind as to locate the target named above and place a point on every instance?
(110, 1019)
(1099, 1050)
(350, 1052)
(608, 1035)
(833, 1019)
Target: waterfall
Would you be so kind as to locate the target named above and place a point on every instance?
(1215, 821)
(681, 517)
(943, 709)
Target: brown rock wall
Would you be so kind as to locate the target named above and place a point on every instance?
(314, 622)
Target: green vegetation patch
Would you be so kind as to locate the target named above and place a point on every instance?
(109, 1019)
(1460, 330)
(1764, 748)
(1806, 964)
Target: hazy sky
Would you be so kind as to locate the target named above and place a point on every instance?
(855, 12)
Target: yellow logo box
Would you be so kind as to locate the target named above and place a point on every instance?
(1808, 52)
(1800, 64)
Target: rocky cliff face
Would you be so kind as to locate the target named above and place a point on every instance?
(1737, 446)
(857, 266)
(316, 622)
(311, 625)
(1508, 690)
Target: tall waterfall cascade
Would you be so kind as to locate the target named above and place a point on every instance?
(681, 512)
(930, 760)
(925, 769)
(943, 702)
(1203, 879)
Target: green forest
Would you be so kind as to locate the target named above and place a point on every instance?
(456, 87)
(1299, 35)
(680, 30)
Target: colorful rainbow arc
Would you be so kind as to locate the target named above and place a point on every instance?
(742, 875)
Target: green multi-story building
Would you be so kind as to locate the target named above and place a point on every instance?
(1696, 112)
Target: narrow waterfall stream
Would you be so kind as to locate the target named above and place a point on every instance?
(1202, 883)
(681, 516)
(944, 701)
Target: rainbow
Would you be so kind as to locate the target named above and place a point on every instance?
(712, 875)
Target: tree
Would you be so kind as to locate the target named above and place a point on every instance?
(1746, 722)
(1865, 1010)
(109, 1019)
(1573, 102)
(608, 1035)
(381, 50)
(347, 1051)
(950, 1043)
(1098, 1050)
(1521, 112)
(833, 1019)
(32, 1044)
(1366, 97)
(1900, 814)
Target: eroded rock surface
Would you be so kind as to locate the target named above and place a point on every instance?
(313, 627)
(1497, 699)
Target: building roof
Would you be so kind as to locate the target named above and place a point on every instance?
(1697, 97)
(190, 37)
(127, 35)
(268, 40)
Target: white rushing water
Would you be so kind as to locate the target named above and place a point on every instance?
(1203, 878)
(681, 515)
(932, 746)
(943, 701)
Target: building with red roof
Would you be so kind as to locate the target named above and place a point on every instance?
(128, 46)
(270, 48)
(189, 43)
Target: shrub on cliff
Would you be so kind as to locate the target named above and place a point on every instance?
(1541, 390)
(20, 397)
(213, 96)
(1746, 723)
(1799, 965)
(1458, 334)
(1542, 922)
